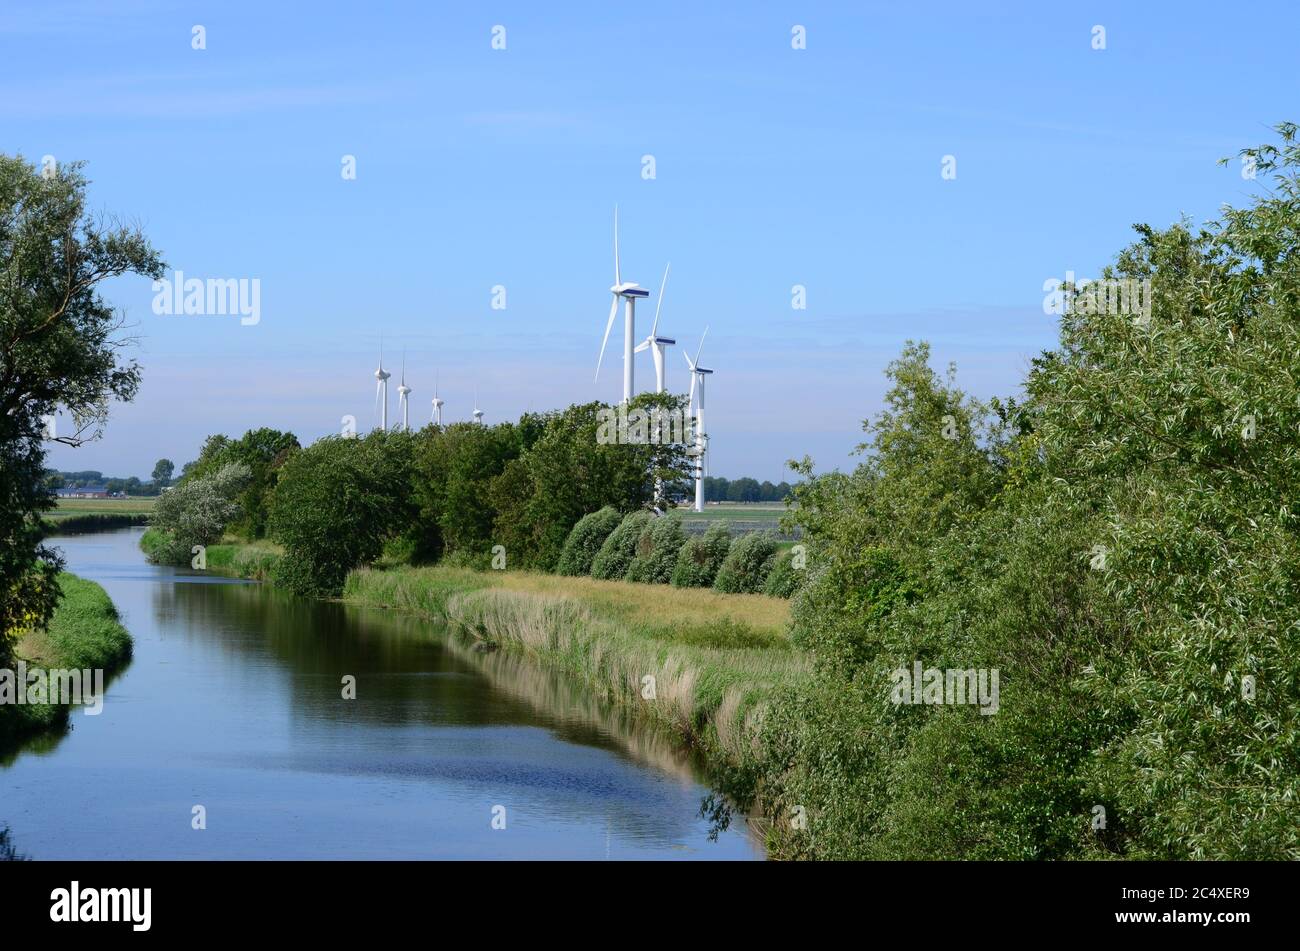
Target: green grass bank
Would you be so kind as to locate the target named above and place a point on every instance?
(701, 662)
(85, 632)
(79, 516)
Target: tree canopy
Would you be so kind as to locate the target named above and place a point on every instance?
(60, 350)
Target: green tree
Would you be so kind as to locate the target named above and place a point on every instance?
(784, 578)
(656, 550)
(336, 503)
(701, 557)
(748, 562)
(196, 512)
(454, 470)
(263, 451)
(60, 348)
(162, 471)
(1121, 546)
(569, 471)
(585, 541)
(743, 490)
(615, 556)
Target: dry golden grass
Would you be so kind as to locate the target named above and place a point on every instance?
(36, 649)
(715, 660)
(653, 603)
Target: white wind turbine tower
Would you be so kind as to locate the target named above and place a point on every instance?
(654, 343)
(437, 403)
(381, 388)
(629, 293)
(403, 400)
(698, 373)
(478, 413)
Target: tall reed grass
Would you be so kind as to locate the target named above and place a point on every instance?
(704, 663)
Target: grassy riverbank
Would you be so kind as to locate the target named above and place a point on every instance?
(241, 559)
(85, 632)
(76, 516)
(93, 522)
(715, 658)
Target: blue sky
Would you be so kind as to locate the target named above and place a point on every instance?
(479, 167)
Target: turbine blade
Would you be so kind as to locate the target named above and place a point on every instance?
(697, 352)
(687, 357)
(662, 284)
(691, 396)
(641, 346)
(613, 312)
(617, 278)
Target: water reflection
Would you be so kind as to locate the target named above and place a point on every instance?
(235, 701)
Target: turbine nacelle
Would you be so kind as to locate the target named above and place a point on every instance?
(649, 342)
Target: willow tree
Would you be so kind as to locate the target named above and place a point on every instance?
(60, 353)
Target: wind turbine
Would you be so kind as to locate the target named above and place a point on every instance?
(381, 387)
(403, 401)
(437, 403)
(478, 413)
(654, 343)
(629, 293)
(698, 373)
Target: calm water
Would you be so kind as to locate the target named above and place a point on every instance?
(233, 702)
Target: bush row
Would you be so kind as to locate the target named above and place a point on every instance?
(654, 549)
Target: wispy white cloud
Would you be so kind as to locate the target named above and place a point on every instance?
(36, 17)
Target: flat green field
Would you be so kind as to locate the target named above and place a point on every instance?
(70, 507)
(744, 511)
(741, 517)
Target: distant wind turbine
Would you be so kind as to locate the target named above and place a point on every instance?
(478, 413)
(437, 403)
(403, 399)
(381, 388)
(654, 343)
(629, 293)
(698, 373)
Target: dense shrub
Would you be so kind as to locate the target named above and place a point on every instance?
(263, 451)
(584, 541)
(656, 550)
(1121, 547)
(196, 512)
(572, 467)
(615, 556)
(701, 557)
(746, 567)
(784, 578)
(454, 469)
(336, 504)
